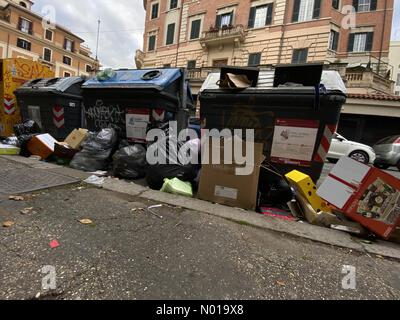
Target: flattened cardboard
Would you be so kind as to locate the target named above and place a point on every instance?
(220, 184)
(372, 197)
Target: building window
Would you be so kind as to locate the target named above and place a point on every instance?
(89, 68)
(25, 26)
(254, 59)
(225, 19)
(260, 16)
(67, 74)
(398, 80)
(170, 34)
(397, 93)
(365, 5)
(49, 35)
(22, 4)
(152, 43)
(336, 4)
(333, 40)
(173, 4)
(67, 60)
(23, 44)
(195, 29)
(300, 55)
(305, 10)
(69, 45)
(154, 11)
(360, 42)
(47, 54)
(191, 64)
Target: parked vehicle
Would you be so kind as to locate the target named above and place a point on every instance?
(342, 147)
(388, 153)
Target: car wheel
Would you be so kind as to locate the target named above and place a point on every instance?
(360, 156)
(382, 166)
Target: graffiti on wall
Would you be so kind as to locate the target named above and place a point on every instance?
(106, 116)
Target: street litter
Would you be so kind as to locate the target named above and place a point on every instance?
(54, 244)
(95, 180)
(178, 187)
(42, 145)
(27, 211)
(150, 209)
(9, 150)
(8, 224)
(277, 213)
(364, 194)
(16, 198)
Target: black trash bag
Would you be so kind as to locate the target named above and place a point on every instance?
(158, 172)
(130, 162)
(23, 144)
(97, 151)
(28, 127)
(273, 189)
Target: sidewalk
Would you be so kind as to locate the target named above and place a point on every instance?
(296, 229)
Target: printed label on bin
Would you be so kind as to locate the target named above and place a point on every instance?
(294, 141)
(34, 114)
(137, 121)
(224, 192)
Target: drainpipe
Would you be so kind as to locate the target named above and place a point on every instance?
(179, 33)
(8, 45)
(283, 33)
(382, 37)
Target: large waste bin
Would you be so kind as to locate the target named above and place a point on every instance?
(295, 122)
(13, 74)
(135, 101)
(54, 103)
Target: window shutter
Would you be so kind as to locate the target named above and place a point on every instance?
(65, 44)
(296, 10)
(218, 21)
(231, 18)
(270, 9)
(370, 41)
(252, 16)
(374, 4)
(317, 9)
(355, 4)
(351, 43)
(19, 23)
(30, 28)
(73, 46)
(29, 46)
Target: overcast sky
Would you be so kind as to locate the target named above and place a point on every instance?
(122, 23)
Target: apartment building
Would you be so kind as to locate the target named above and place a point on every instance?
(394, 60)
(201, 34)
(23, 35)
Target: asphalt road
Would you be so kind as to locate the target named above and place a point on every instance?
(132, 254)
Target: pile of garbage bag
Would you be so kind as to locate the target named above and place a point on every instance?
(130, 162)
(97, 151)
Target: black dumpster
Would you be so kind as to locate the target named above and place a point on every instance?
(55, 104)
(295, 122)
(136, 101)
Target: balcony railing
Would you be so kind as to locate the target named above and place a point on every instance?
(224, 34)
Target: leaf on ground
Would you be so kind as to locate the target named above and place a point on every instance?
(85, 221)
(8, 224)
(16, 198)
(280, 283)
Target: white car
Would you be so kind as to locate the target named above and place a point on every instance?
(342, 147)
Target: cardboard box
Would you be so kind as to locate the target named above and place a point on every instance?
(75, 139)
(364, 194)
(42, 145)
(221, 184)
(304, 184)
(64, 151)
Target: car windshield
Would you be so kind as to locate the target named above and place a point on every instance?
(389, 140)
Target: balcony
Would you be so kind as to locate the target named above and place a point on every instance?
(139, 59)
(222, 36)
(368, 82)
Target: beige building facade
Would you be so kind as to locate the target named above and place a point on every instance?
(210, 33)
(394, 60)
(24, 35)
